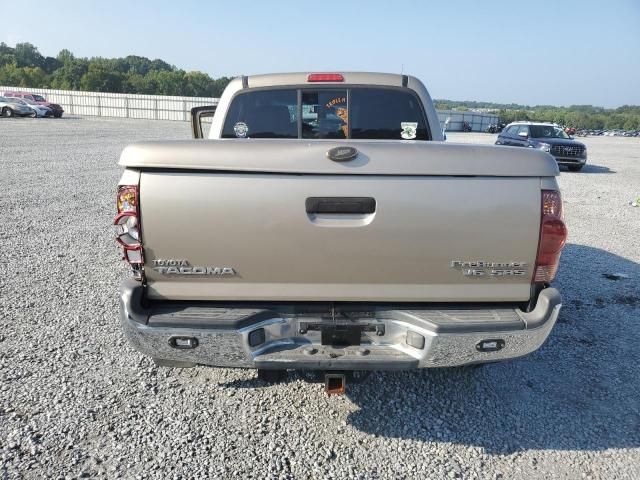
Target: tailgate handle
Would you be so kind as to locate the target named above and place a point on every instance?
(340, 205)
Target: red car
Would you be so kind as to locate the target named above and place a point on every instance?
(39, 99)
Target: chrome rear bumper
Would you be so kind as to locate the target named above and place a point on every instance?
(390, 338)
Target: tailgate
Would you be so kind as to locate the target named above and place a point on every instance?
(216, 235)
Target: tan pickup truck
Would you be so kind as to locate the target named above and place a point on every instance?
(324, 224)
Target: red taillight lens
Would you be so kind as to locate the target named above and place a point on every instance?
(553, 235)
(325, 77)
(127, 226)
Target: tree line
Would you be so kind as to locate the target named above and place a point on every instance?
(587, 117)
(24, 66)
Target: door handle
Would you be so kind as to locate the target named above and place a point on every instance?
(345, 205)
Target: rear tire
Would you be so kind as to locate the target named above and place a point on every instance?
(575, 168)
(7, 112)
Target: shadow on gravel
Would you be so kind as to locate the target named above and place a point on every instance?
(580, 391)
(589, 168)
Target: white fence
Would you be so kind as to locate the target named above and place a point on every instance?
(159, 107)
(478, 121)
(126, 105)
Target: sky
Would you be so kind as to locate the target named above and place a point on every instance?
(552, 52)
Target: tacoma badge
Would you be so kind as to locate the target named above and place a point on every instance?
(182, 267)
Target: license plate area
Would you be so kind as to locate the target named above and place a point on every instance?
(341, 334)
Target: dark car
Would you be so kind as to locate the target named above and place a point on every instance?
(547, 137)
(39, 99)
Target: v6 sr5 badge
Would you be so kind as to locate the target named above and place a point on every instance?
(480, 268)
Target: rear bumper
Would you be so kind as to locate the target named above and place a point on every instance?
(391, 338)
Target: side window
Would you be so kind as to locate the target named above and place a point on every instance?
(512, 131)
(325, 114)
(262, 114)
(387, 114)
(523, 129)
(28, 97)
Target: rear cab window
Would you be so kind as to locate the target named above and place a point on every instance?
(263, 114)
(327, 113)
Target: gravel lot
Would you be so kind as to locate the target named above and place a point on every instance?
(77, 401)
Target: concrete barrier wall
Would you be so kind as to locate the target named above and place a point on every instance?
(159, 107)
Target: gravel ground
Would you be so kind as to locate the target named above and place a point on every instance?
(77, 401)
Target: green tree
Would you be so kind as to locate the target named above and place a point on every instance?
(199, 84)
(166, 82)
(50, 64)
(11, 75)
(65, 56)
(7, 54)
(28, 56)
(69, 75)
(100, 78)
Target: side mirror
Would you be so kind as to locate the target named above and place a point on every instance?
(523, 134)
(197, 114)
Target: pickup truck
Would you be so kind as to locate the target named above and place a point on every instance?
(324, 225)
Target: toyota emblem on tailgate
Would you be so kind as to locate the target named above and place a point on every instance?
(342, 154)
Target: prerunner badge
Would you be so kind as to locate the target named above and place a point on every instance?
(409, 130)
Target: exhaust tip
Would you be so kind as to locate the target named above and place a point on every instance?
(335, 383)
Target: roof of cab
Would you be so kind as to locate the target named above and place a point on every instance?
(353, 78)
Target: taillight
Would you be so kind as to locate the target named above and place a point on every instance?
(553, 235)
(127, 227)
(325, 77)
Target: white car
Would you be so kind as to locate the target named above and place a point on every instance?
(37, 110)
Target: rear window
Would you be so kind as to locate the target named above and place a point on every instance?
(263, 114)
(387, 114)
(327, 113)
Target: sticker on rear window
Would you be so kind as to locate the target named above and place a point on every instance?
(409, 130)
(241, 129)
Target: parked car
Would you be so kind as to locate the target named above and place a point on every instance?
(36, 109)
(39, 99)
(355, 250)
(10, 107)
(547, 137)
